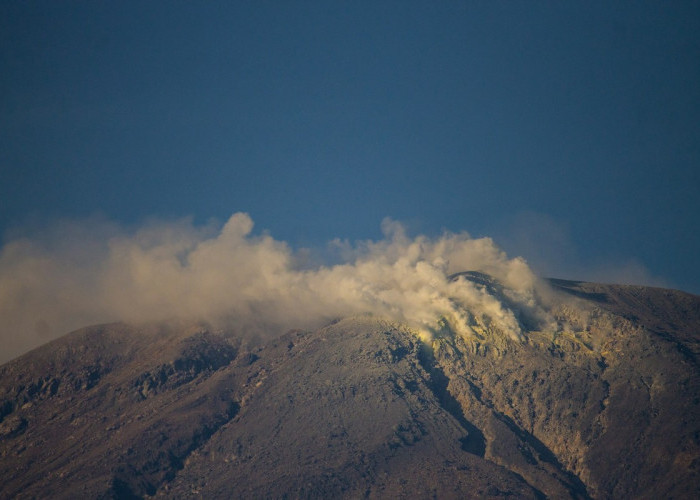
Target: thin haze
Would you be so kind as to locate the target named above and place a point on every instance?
(87, 272)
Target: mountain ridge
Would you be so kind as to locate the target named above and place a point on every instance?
(606, 406)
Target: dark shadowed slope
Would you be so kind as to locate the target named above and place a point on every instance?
(605, 407)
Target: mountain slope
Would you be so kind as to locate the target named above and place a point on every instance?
(604, 406)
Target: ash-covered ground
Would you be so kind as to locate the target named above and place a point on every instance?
(599, 402)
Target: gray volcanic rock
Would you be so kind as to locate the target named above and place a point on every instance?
(604, 406)
(352, 412)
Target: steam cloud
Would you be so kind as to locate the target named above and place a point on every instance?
(89, 273)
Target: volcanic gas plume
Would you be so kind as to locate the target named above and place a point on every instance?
(89, 272)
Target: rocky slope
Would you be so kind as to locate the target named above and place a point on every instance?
(605, 405)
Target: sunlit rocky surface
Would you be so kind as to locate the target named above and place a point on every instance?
(603, 404)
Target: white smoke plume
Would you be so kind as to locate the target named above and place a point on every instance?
(85, 273)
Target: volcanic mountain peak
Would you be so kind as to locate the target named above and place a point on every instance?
(603, 404)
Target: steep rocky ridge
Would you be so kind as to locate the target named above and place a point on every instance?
(614, 404)
(606, 405)
(84, 415)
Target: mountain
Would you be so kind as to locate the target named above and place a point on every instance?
(605, 405)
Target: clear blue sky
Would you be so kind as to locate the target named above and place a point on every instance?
(568, 131)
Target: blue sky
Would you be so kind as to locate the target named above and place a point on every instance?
(567, 131)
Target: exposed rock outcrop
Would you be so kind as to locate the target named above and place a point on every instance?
(604, 406)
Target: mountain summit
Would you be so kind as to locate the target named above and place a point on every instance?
(603, 405)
